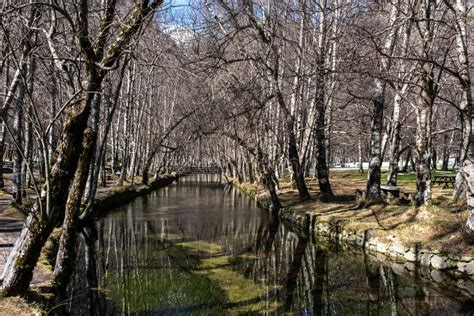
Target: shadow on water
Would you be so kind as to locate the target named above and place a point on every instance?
(195, 248)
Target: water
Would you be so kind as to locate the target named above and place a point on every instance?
(195, 248)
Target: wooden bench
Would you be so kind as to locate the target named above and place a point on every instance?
(108, 173)
(444, 181)
(391, 189)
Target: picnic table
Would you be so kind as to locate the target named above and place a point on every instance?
(444, 180)
(393, 190)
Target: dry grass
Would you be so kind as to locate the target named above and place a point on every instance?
(12, 212)
(437, 227)
(15, 306)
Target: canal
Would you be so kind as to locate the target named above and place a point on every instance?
(199, 248)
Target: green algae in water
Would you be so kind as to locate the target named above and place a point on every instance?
(196, 286)
(167, 290)
(243, 295)
(202, 246)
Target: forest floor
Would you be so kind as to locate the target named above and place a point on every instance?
(436, 227)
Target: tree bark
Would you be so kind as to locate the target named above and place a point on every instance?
(27, 167)
(401, 90)
(321, 164)
(126, 128)
(394, 158)
(18, 145)
(375, 163)
(249, 165)
(294, 158)
(322, 142)
(66, 255)
(423, 137)
(424, 108)
(2, 151)
(445, 164)
(100, 159)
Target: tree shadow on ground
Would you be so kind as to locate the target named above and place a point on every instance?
(409, 219)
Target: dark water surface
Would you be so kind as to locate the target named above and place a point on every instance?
(197, 248)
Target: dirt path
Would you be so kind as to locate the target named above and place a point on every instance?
(11, 222)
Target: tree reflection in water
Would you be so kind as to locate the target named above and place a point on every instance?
(199, 249)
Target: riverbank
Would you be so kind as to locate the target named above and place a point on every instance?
(107, 199)
(428, 237)
(118, 196)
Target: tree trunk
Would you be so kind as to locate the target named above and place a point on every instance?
(298, 173)
(2, 151)
(103, 166)
(145, 174)
(445, 163)
(111, 102)
(18, 145)
(27, 165)
(271, 188)
(66, 256)
(394, 158)
(375, 163)
(248, 163)
(26, 176)
(401, 91)
(321, 164)
(126, 128)
(407, 160)
(361, 157)
(423, 138)
(146, 167)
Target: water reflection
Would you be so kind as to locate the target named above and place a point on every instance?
(202, 249)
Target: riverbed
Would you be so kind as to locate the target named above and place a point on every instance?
(199, 248)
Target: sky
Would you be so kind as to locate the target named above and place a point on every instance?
(177, 11)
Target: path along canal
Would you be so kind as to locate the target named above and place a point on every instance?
(199, 248)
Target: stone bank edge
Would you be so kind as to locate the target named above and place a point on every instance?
(431, 263)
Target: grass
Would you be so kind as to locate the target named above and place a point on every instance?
(407, 180)
(14, 306)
